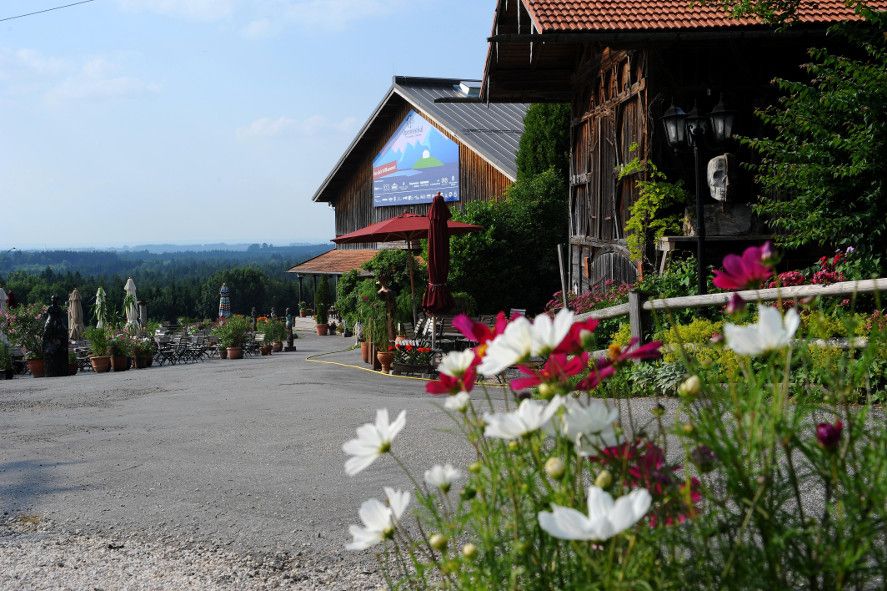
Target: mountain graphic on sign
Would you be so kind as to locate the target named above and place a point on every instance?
(427, 161)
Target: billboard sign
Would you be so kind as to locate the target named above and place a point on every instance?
(416, 163)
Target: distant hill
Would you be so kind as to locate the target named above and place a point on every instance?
(197, 259)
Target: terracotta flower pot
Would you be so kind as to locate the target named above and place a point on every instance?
(365, 351)
(100, 364)
(385, 358)
(321, 329)
(119, 363)
(35, 366)
(266, 349)
(277, 346)
(141, 361)
(235, 353)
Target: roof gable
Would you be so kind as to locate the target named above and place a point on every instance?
(492, 131)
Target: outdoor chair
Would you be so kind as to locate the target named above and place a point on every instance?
(253, 343)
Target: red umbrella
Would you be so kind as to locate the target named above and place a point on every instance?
(406, 226)
(438, 298)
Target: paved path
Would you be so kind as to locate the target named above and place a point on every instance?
(238, 456)
(223, 474)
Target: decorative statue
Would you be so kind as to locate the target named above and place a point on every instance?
(55, 341)
(289, 331)
(273, 314)
(721, 170)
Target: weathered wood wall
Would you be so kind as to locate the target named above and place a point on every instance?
(609, 128)
(479, 181)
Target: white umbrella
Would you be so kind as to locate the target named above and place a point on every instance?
(75, 316)
(3, 299)
(130, 305)
(100, 307)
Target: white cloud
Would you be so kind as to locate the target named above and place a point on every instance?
(202, 10)
(261, 27)
(99, 79)
(270, 127)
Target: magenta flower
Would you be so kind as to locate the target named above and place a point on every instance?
(558, 369)
(829, 435)
(748, 270)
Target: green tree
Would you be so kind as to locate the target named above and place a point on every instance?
(545, 141)
(822, 171)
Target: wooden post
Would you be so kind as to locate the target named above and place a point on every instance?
(636, 315)
(560, 262)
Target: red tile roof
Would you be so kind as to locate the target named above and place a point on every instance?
(335, 262)
(643, 15)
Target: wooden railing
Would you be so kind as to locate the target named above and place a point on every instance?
(638, 308)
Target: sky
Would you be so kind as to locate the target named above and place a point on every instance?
(127, 122)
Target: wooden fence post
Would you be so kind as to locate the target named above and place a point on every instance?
(636, 316)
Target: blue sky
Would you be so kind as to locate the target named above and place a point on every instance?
(186, 121)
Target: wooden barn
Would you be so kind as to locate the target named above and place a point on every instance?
(411, 147)
(622, 64)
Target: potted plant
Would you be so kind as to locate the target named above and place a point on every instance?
(233, 335)
(278, 334)
(303, 309)
(322, 306)
(143, 353)
(412, 358)
(24, 327)
(6, 371)
(98, 346)
(120, 349)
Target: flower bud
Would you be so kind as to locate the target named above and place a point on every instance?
(468, 492)
(555, 468)
(469, 551)
(687, 428)
(513, 445)
(438, 542)
(691, 387)
(658, 411)
(547, 391)
(604, 479)
(829, 435)
(475, 467)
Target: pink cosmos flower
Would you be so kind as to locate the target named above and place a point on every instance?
(735, 303)
(558, 368)
(446, 384)
(748, 270)
(578, 337)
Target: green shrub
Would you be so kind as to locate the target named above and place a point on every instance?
(322, 301)
(98, 341)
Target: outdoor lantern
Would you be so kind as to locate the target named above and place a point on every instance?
(675, 130)
(695, 125)
(722, 122)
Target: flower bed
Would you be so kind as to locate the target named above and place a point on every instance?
(737, 486)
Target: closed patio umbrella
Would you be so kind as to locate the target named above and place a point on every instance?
(100, 307)
(224, 302)
(131, 305)
(438, 298)
(3, 299)
(75, 316)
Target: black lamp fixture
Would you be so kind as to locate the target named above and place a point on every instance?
(722, 120)
(690, 128)
(675, 126)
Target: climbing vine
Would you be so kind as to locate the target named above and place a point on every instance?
(647, 219)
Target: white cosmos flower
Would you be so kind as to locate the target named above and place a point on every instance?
(529, 416)
(587, 425)
(605, 518)
(456, 363)
(549, 332)
(373, 439)
(459, 402)
(378, 519)
(442, 476)
(512, 346)
(771, 332)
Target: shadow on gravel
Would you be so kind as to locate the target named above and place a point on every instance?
(23, 483)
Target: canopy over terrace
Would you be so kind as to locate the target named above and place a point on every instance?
(334, 263)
